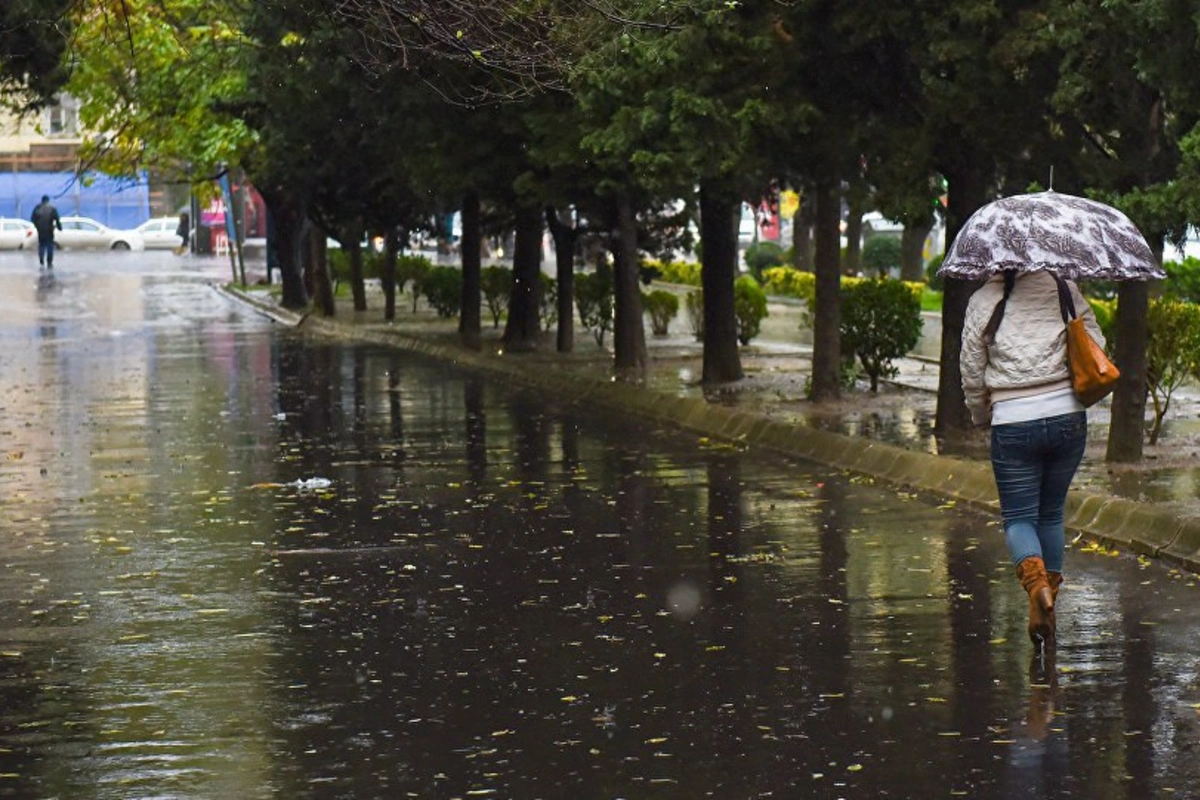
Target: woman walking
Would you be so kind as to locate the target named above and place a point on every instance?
(1015, 374)
(1015, 377)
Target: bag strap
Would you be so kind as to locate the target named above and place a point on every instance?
(1066, 303)
(993, 325)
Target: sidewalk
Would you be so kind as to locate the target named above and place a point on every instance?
(1152, 508)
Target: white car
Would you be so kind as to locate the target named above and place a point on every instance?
(159, 233)
(17, 234)
(80, 233)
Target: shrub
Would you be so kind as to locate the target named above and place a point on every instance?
(338, 262)
(662, 306)
(1172, 353)
(791, 282)
(443, 290)
(693, 301)
(649, 272)
(1101, 290)
(594, 299)
(1106, 318)
(548, 301)
(373, 262)
(761, 256)
(412, 270)
(1183, 280)
(750, 308)
(684, 272)
(917, 289)
(495, 284)
(881, 321)
(880, 254)
(931, 277)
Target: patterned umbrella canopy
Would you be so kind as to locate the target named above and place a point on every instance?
(1072, 236)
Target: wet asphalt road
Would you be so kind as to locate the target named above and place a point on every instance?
(495, 597)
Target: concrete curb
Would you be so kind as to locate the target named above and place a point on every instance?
(1143, 528)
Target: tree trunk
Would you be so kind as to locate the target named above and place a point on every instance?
(272, 254)
(1125, 430)
(912, 251)
(522, 331)
(852, 263)
(471, 250)
(288, 216)
(719, 214)
(827, 350)
(387, 272)
(353, 248)
(802, 226)
(305, 255)
(564, 256)
(629, 330)
(965, 194)
(319, 271)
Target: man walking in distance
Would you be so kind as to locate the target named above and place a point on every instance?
(45, 219)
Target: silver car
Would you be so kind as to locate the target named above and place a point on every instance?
(80, 233)
(17, 234)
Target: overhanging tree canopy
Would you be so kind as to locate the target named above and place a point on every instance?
(33, 38)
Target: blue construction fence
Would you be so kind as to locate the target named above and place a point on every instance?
(121, 203)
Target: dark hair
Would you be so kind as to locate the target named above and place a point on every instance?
(45, 198)
(993, 325)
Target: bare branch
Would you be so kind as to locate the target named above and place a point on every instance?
(513, 48)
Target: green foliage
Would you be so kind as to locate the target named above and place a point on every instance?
(168, 120)
(750, 308)
(548, 305)
(443, 290)
(1172, 353)
(594, 299)
(662, 306)
(373, 263)
(338, 262)
(763, 255)
(1183, 280)
(791, 282)
(931, 277)
(495, 284)
(412, 271)
(693, 302)
(683, 272)
(1106, 318)
(881, 321)
(33, 38)
(880, 254)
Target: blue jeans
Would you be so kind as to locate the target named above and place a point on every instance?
(1034, 463)
(46, 251)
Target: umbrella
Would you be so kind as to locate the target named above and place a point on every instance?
(1072, 236)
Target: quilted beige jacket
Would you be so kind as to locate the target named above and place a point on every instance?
(1029, 354)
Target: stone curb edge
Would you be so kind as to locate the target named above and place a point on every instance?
(1114, 522)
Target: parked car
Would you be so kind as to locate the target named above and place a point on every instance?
(17, 234)
(81, 232)
(159, 233)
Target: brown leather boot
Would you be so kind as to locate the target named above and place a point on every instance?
(1032, 574)
(1056, 581)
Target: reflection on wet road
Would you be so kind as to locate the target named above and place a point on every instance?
(493, 597)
